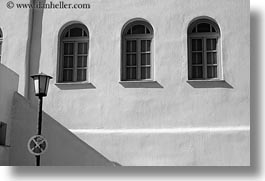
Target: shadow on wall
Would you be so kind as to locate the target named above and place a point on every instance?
(210, 84)
(34, 42)
(143, 84)
(65, 149)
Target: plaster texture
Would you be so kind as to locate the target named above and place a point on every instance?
(224, 147)
(16, 28)
(174, 103)
(8, 86)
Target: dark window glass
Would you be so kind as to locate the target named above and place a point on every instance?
(196, 58)
(131, 60)
(76, 32)
(213, 29)
(203, 27)
(197, 45)
(212, 71)
(131, 73)
(82, 48)
(147, 31)
(131, 46)
(197, 72)
(138, 29)
(81, 74)
(68, 48)
(67, 75)
(68, 62)
(145, 73)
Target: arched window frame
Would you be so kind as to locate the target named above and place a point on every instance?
(215, 35)
(1, 44)
(65, 38)
(138, 38)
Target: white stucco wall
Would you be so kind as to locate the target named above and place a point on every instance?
(177, 104)
(16, 28)
(8, 86)
(172, 104)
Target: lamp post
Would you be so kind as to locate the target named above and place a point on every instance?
(41, 84)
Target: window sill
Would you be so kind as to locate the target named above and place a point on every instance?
(75, 85)
(141, 84)
(211, 83)
(207, 80)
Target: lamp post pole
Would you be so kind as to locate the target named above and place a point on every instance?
(39, 126)
(41, 84)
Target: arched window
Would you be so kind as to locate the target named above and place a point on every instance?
(1, 40)
(203, 50)
(74, 46)
(137, 51)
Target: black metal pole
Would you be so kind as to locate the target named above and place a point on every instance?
(39, 126)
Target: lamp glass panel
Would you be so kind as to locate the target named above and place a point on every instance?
(36, 85)
(42, 87)
(47, 85)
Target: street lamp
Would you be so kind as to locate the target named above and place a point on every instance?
(41, 84)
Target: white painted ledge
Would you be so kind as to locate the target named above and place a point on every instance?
(159, 131)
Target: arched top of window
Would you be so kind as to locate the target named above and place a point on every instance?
(75, 31)
(1, 34)
(139, 27)
(203, 26)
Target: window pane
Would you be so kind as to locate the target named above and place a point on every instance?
(204, 27)
(209, 58)
(131, 59)
(68, 62)
(67, 75)
(68, 48)
(145, 73)
(81, 74)
(145, 59)
(214, 58)
(129, 32)
(145, 45)
(211, 44)
(197, 72)
(131, 73)
(212, 72)
(213, 29)
(0, 48)
(147, 31)
(138, 29)
(131, 46)
(81, 61)
(85, 34)
(196, 58)
(76, 32)
(67, 34)
(197, 45)
(82, 48)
